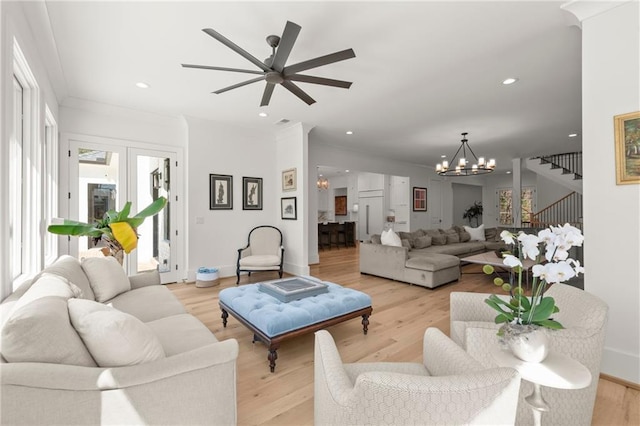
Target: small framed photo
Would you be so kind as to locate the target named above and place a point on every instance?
(289, 180)
(627, 137)
(220, 192)
(289, 210)
(419, 199)
(251, 193)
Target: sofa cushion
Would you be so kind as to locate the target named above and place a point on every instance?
(406, 236)
(390, 238)
(47, 285)
(148, 303)
(113, 338)
(491, 234)
(439, 240)
(433, 262)
(375, 239)
(106, 276)
(69, 267)
(41, 332)
(477, 234)
(453, 238)
(406, 243)
(422, 242)
(181, 333)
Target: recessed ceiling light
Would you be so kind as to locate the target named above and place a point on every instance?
(443, 156)
(508, 172)
(263, 114)
(573, 135)
(349, 132)
(142, 85)
(509, 80)
(346, 171)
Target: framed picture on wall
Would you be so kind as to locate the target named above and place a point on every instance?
(220, 192)
(419, 199)
(289, 208)
(627, 140)
(289, 180)
(341, 205)
(251, 193)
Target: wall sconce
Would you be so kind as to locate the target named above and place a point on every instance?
(355, 208)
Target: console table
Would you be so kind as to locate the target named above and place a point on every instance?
(556, 371)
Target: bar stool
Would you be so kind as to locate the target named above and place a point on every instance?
(324, 235)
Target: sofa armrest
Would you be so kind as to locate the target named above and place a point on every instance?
(193, 387)
(443, 357)
(383, 261)
(471, 307)
(144, 279)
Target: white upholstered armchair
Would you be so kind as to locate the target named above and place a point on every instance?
(448, 388)
(584, 317)
(263, 252)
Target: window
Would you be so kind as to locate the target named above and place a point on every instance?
(49, 185)
(505, 205)
(16, 181)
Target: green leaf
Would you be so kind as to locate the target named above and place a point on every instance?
(499, 301)
(124, 213)
(503, 317)
(524, 302)
(549, 323)
(110, 216)
(544, 309)
(494, 305)
(74, 228)
(152, 209)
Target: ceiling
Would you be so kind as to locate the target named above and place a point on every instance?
(424, 72)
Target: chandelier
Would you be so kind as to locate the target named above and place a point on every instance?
(463, 165)
(323, 183)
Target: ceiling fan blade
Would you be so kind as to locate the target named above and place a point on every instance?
(239, 50)
(319, 61)
(206, 67)
(266, 96)
(319, 80)
(235, 86)
(298, 92)
(289, 36)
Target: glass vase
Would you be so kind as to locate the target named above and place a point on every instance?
(527, 342)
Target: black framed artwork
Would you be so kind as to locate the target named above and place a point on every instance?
(251, 193)
(419, 199)
(220, 192)
(289, 210)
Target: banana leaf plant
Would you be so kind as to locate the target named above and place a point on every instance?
(116, 229)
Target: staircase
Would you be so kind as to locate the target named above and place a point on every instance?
(566, 210)
(565, 169)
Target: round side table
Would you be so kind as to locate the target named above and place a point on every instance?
(556, 371)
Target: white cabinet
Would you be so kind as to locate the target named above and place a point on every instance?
(370, 181)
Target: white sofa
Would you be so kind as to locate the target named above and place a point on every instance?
(135, 358)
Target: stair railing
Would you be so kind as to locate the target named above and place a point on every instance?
(570, 162)
(568, 209)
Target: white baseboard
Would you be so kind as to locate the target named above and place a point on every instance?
(296, 269)
(625, 366)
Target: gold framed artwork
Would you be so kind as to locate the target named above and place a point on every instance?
(627, 140)
(289, 180)
(341, 205)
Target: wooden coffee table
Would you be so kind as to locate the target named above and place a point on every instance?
(490, 258)
(267, 317)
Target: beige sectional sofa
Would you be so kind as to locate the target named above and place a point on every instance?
(429, 258)
(82, 343)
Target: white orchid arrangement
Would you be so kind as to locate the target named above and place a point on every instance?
(552, 266)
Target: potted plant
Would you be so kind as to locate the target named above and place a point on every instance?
(528, 316)
(116, 229)
(473, 212)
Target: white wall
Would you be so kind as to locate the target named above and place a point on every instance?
(548, 192)
(610, 86)
(464, 196)
(220, 149)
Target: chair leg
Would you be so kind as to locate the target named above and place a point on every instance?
(238, 275)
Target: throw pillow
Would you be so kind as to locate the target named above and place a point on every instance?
(490, 234)
(423, 242)
(439, 240)
(69, 267)
(406, 236)
(390, 238)
(41, 332)
(477, 234)
(375, 239)
(47, 285)
(452, 238)
(406, 243)
(113, 338)
(464, 236)
(106, 276)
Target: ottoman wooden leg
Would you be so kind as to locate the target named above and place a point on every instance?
(273, 355)
(365, 323)
(225, 315)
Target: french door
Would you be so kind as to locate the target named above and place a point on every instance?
(104, 177)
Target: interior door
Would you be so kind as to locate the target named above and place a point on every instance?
(435, 203)
(151, 173)
(370, 215)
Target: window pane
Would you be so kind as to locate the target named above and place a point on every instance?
(16, 183)
(505, 206)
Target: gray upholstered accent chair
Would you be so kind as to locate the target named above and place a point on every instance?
(449, 388)
(264, 251)
(584, 317)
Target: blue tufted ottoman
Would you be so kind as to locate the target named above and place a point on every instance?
(273, 321)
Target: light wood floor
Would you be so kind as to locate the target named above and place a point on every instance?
(401, 313)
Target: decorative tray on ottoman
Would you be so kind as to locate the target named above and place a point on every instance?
(289, 289)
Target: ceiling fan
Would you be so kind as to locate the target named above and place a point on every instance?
(273, 69)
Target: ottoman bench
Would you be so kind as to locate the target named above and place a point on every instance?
(273, 321)
(432, 269)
